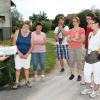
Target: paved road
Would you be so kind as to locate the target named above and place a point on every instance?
(56, 87)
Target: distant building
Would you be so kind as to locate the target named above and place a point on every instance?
(5, 19)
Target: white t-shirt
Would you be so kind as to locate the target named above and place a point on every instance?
(60, 34)
(94, 41)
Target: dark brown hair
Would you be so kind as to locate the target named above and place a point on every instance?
(96, 20)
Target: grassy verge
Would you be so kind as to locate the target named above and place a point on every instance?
(50, 34)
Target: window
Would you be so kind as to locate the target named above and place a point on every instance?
(2, 19)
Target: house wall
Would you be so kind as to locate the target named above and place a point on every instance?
(5, 6)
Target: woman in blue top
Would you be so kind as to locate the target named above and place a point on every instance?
(22, 39)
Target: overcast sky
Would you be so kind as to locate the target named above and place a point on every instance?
(54, 7)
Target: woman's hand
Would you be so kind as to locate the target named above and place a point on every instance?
(26, 56)
(21, 55)
(98, 50)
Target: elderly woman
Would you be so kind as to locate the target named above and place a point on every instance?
(93, 45)
(75, 38)
(39, 50)
(22, 39)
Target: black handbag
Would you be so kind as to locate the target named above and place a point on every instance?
(93, 57)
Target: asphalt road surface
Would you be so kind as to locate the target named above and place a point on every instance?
(56, 87)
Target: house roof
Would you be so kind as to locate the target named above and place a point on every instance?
(12, 3)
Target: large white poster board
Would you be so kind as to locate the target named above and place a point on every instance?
(8, 50)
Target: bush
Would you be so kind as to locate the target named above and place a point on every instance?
(7, 74)
(46, 26)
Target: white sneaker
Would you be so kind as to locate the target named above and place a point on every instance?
(82, 82)
(94, 94)
(16, 85)
(43, 78)
(86, 91)
(35, 78)
(92, 85)
(28, 84)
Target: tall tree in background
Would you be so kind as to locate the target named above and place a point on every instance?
(41, 17)
(83, 14)
(17, 20)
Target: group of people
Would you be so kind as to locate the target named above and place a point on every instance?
(29, 44)
(69, 47)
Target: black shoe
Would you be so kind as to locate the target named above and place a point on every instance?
(79, 78)
(62, 70)
(71, 77)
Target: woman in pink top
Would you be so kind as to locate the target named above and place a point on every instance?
(75, 38)
(39, 50)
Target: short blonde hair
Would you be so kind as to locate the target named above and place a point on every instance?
(27, 22)
(77, 18)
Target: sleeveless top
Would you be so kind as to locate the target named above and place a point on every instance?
(23, 43)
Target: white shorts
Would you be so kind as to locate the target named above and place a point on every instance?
(92, 68)
(22, 63)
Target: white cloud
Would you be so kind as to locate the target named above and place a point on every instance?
(54, 7)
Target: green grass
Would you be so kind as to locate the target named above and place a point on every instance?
(50, 34)
(6, 42)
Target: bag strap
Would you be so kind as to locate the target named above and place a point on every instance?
(89, 38)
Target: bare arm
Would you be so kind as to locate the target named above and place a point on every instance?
(14, 43)
(30, 50)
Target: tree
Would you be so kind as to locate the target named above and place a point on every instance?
(42, 18)
(17, 20)
(83, 14)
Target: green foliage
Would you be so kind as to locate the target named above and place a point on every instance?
(6, 42)
(83, 14)
(50, 57)
(17, 20)
(68, 23)
(50, 34)
(46, 26)
(38, 17)
(7, 71)
(41, 17)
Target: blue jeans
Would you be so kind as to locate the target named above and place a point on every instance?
(38, 57)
